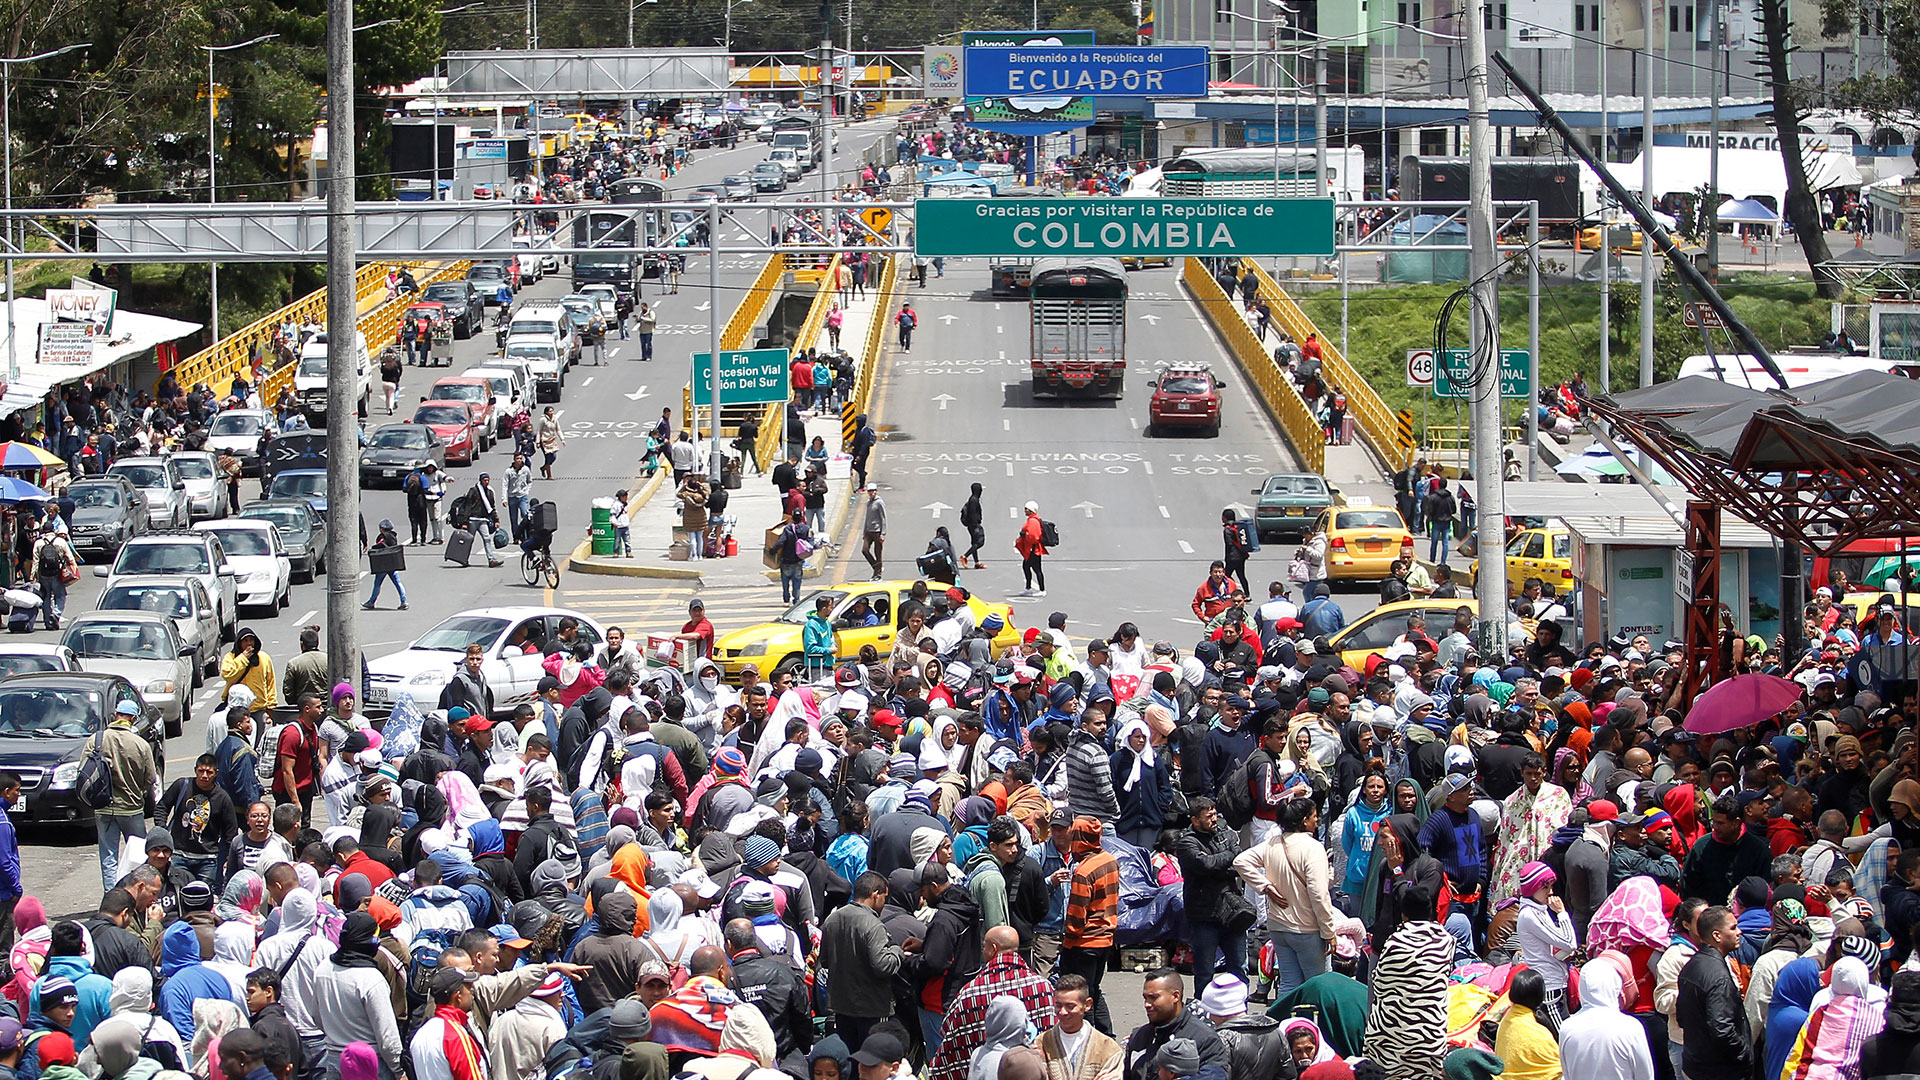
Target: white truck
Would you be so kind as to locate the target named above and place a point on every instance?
(310, 378)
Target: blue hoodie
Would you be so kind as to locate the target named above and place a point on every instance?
(95, 991)
(187, 979)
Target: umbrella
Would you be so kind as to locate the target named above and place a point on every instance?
(15, 490)
(1887, 566)
(1741, 701)
(19, 455)
(1597, 460)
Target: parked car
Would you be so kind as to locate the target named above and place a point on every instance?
(488, 278)
(303, 533)
(237, 432)
(464, 304)
(141, 648)
(47, 719)
(206, 488)
(193, 554)
(185, 600)
(394, 450)
(505, 634)
(162, 484)
(475, 392)
(107, 512)
(262, 574)
(454, 422)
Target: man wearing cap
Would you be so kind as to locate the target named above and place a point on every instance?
(1452, 834)
(518, 1039)
(447, 1047)
(1588, 865)
(880, 1056)
(1633, 855)
(477, 751)
(1032, 551)
(130, 767)
(697, 630)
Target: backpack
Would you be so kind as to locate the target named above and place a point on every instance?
(1049, 534)
(166, 1053)
(423, 959)
(47, 561)
(94, 784)
(573, 1055)
(1236, 793)
(676, 966)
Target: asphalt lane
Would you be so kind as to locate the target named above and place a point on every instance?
(604, 409)
(1139, 516)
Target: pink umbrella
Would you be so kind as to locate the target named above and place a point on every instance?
(1741, 701)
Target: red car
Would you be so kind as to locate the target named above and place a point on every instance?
(1185, 395)
(457, 424)
(475, 392)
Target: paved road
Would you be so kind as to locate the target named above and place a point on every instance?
(604, 410)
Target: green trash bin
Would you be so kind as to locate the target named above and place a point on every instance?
(604, 542)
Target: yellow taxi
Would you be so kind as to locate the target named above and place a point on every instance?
(1363, 541)
(1625, 236)
(1865, 606)
(1545, 553)
(863, 613)
(1141, 262)
(1377, 630)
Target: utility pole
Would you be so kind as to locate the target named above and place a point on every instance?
(1710, 213)
(1319, 117)
(1646, 197)
(713, 345)
(1606, 222)
(343, 319)
(1483, 314)
(827, 87)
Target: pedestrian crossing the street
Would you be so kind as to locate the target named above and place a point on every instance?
(660, 607)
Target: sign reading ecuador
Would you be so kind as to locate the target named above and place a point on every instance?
(1177, 71)
(1114, 227)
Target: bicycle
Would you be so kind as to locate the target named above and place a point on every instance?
(538, 565)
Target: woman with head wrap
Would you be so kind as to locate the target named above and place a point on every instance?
(1682, 803)
(240, 900)
(1829, 1043)
(28, 958)
(971, 817)
(1306, 1046)
(1568, 764)
(1793, 990)
(1407, 1013)
(830, 1060)
(1005, 1027)
(925, 844)
(1142, 783)
(1788, 938)
(463, 801)
(212, 1018)
(430, 808)
(358, 1061)
(1399, 867)
(132, 1001)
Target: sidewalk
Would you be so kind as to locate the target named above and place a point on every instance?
(752, 508)
(1349, 466)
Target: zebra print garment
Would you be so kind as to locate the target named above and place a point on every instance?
(1407, 1016)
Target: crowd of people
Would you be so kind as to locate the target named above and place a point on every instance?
(1421, 862)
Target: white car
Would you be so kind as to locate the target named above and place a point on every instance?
(196, 618)
(237, 432)
(159, 479)
(262, 573)
(194, 554)
(17, 657)
(141, 648)
(512, 638)
(206, 488)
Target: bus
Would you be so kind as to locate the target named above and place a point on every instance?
(1078, 321)
(632, 190)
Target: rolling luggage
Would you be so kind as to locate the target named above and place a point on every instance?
(460, 547)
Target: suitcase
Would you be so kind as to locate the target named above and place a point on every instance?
(460, 547)
(547, 519)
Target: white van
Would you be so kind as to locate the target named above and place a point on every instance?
(788, 159)
(802, 145)
(527, 260)
(512, 391)
(546, 321)
(310, 378)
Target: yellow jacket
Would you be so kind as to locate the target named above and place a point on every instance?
(259, 678)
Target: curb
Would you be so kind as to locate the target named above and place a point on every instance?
(581, 560)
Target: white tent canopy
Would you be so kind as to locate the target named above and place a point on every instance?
(1746, 212)
(1744, 174)
(133, 333)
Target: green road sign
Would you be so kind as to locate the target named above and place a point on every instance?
(747, 377)
(1450, 374)
(1114, 227)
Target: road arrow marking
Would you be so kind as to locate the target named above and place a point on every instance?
(948, 318)
(1089, 507)
(1155, 319)
(638, 394)
(937, 508)
(944, 400)
(703, 305)
(1185, 547)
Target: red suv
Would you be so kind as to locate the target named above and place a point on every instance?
(1185, 395)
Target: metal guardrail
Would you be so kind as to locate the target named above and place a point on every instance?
(1450, 446)
(1377, 422)
(772, 423)
(753, 305)
(218, 364)
(1282, 400)
(863, 376)
(380, 326)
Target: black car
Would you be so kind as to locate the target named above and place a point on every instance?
(47, 720)
(302, 532)
(107, 512)
(465, 306)
(394, 450)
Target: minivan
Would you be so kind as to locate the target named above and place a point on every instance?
(787, 158)
(546, 322)
(802, 144)
(311, 377)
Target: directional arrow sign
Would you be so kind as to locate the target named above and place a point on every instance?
(1088, 507)
(948, 318)
(1154, 319)
(938, 508)
(638, 394)
(703, 305)
(944, 400)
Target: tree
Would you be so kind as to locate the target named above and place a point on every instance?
(1776, 32)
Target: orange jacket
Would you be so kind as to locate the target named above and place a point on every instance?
(1028, 542)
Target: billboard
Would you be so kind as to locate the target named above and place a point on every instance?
(1173, 71)
(941, 70)
(1540, 24)
(1064, 113)
(66, 343)
(90, 304)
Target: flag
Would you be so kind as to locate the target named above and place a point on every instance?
(1145, 30)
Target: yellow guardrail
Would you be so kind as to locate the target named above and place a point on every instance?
(753, 306)
(217, 364)
(1375, 420)
(1282, 400)
(380, 326)
(773, 423)
(1449, 447)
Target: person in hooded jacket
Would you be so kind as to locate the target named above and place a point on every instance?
(1895, 1052)
(430, 760)
(299, 954)
(1256, 1047)
(1600, 1042)
(951, 954)
(188, 979)
(354, 1002)
(1793, 993)
(116, 1051)
(132, 1003)
(489, 847)
(612, 953)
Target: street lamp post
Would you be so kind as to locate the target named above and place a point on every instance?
(726, 43)
(213, 189)
(632, 7)
(6, 122)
